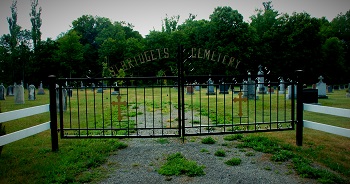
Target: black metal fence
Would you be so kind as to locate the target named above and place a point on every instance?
(173, 106)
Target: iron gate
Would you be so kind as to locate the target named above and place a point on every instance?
(174, 106)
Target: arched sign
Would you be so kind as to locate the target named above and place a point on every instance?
(163, 53)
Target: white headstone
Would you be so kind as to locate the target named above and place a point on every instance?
(322, 88)
(19, 94)
(282, 87)
(261, 80)
(289, 95)
(31, 92)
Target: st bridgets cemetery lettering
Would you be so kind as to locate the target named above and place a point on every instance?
(158, 54)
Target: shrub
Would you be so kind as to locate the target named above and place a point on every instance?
(208, 140)
(177, 164)
(233, 137)
(220, 153)
(233, 161)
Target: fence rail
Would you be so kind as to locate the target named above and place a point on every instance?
(17, 114)
(330, 111)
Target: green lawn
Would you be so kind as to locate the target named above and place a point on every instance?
(30, 160)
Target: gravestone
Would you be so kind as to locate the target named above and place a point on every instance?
(116, 90)
(322, 88)
(9, 91)
(314, 86)
(224, 88)
(210, 89)
(2, 92)
(282, 87)
(82, 86)
(261, 81)
(196, 87)
(19, 94)
(69, 91)
(348, 91)
(189, 90)
(63, 100)
(31, 92)
(271, 90)
(249, 89)
(289, 95)
(99, 90)
(330, 89)
(341, 87)
(93, 87)
(41, 89)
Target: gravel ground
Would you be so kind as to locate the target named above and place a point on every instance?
(138, 163)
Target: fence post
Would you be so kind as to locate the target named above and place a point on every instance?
(300, 108)
(53, 113)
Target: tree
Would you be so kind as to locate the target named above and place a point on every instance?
(36, 23)
(231, 35)
(13, 26)
(70, 55)
(300, 45)
(333, 64)
(266, 24)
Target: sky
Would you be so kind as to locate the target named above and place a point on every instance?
(57, 15)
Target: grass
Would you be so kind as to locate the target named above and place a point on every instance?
(177, 165)
(208, 140)
(220, 153)
(31, 160)
(233, 161)
(20, 160)
(283, 153)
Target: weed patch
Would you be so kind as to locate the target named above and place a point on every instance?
(177, 165)
(233, 161)
(208, 140)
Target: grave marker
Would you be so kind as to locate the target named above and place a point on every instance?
(2, 92)
(210, 89)
(41, 89)
(322, 88)
(189, 90)
(63, 100)
(330, 89)
(240, 100)
(249, 89)
(261, 81)
(119, 103)
(289, 95)
(9, 91)
(116, 90)
(282, 87)
(31, 92)
(224, 88)
(19, 94)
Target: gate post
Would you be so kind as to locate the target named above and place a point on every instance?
(53, 113)
(300, 108)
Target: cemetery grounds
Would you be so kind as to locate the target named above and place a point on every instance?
(31, 160)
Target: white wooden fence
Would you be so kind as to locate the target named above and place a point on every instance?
(12, 115)
(327, 128)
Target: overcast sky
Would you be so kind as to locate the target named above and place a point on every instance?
(146, 15)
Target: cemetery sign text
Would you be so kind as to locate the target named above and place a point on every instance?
(158, 54)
